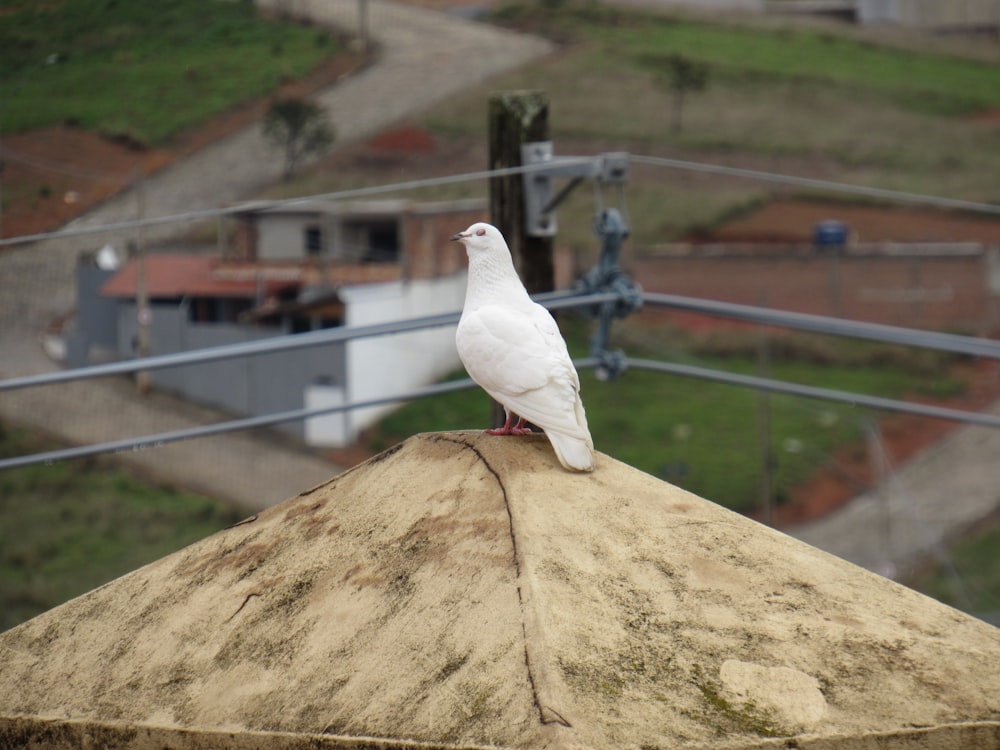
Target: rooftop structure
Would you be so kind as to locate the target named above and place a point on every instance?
(462, 591)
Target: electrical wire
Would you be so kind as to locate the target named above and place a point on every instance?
(763, 316)
(36, 162)
(663, 162)
(887, 334)
(274, 344)
(265, 205)
(554, 301)
(811, 182)
(218, 428)
(816, 392)
(703, 373)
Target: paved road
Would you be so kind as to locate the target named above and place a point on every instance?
(423, 58)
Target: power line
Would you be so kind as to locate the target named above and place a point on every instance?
(816, 392)
(263, 205)
(947, 342)
(811, 182)
(326, 336)
(200, 214)
(270, 345)
(554, 301)
(219, 428)
(703, 373)
(51, 166)
(763, 316)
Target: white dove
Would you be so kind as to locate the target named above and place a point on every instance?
(511, 347)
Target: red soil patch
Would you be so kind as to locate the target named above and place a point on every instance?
(54, 174)
(852, 470)
(407, 139)
(989, 117)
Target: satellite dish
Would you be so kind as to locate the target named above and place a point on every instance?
(107, 259)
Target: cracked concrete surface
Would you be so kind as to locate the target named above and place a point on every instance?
(389, 604)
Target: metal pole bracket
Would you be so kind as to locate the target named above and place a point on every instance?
(540, 198)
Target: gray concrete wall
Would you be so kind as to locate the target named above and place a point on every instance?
(261, 384)
(96, 317)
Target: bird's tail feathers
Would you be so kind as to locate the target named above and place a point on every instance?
(573, 452)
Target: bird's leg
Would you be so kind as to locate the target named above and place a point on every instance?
(509, 428)
(519, 428)
(505, 430)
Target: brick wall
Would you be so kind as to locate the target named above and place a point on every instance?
(428, 251)
(913, 286)
(243, 245)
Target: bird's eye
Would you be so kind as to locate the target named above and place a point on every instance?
(480, 232)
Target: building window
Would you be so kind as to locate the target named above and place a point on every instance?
(383, 242)
(370, 240)
(313, 240)
(217, 309)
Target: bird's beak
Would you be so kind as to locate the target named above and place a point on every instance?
(459, 236)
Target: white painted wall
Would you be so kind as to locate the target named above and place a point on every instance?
(329, 430)
(281, 236)
(930, 13)
(389, 365)
(751, 6)
(878, 11)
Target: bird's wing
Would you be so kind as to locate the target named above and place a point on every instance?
(519, 357)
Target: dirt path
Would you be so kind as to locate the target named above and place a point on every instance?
(423, 57)
(944, 491)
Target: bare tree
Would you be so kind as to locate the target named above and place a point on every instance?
(684, 75)
(300, 128)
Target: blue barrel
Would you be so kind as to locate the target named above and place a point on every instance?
(830, 234)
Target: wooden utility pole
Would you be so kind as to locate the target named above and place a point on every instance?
(516, 118)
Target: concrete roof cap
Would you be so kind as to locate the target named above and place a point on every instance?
(461, 590)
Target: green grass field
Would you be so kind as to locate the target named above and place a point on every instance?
(937, 85)
(143, 71)
(968, 579)
(705, 436)
(68, 527)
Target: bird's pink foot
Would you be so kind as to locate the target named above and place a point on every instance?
(505, 430)
(510, 429)
(519, 428)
